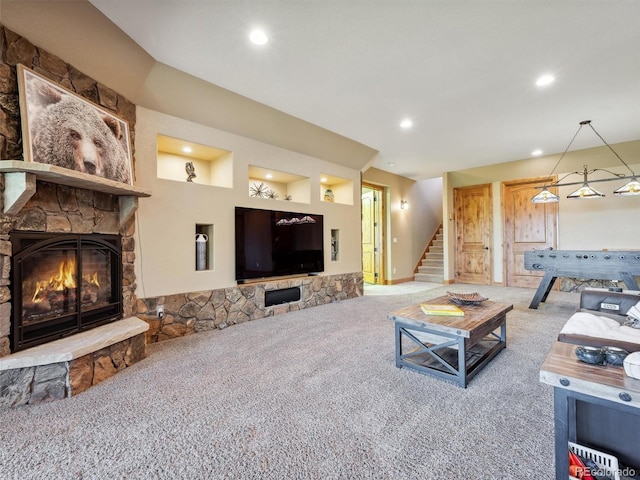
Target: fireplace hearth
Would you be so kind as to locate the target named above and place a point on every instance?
(63, 284)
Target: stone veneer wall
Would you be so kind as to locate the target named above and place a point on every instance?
(15, 49)
(55, 381)
(217, 309)
(56, 208)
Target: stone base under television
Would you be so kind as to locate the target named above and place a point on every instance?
(217, 309)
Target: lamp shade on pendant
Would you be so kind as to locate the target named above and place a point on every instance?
(585, 191)
(545, 196)
(631, 188)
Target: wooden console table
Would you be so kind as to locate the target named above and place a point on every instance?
(454, 348)
(595, 406)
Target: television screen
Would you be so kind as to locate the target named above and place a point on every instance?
(272, 243)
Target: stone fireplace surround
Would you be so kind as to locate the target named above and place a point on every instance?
(45, 198)
(68, 366)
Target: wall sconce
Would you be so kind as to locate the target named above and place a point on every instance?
(585, 191)
(404, 205)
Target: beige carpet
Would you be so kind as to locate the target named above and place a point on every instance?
(313, 394)
(399, 289)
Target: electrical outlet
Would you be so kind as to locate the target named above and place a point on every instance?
(160, 311)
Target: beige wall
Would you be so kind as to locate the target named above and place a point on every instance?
(167, 220)
(610, 222)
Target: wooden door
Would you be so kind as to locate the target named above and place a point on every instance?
(474, 231)
(368, 237)
(527, 226)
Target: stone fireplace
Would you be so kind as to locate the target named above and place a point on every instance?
(67, 252)
(67, 295)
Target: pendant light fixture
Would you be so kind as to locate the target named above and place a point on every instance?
(586, 191)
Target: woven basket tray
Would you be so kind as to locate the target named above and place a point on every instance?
(466, 298)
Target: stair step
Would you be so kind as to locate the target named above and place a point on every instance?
(437, 273)
(434, 270)
(431, 262)
(423, 277)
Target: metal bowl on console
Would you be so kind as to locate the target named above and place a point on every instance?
(615, 355)
(591, 355)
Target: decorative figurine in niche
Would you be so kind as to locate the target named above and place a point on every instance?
(259, 191)
(328, 195)
(191, 171)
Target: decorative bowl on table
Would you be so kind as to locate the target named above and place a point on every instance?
(466, 298)
(615, 356)
(591, 355)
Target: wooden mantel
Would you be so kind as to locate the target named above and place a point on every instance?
(20, 185)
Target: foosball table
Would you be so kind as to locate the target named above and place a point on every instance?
(588, 264)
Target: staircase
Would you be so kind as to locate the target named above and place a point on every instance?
(431, 268)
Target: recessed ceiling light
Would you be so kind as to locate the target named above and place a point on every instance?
(268, 175)
(392, 164)
(406, 123)
(323, 179)
(187, 149)
(537, 152)
(258, 36)
(545, 80)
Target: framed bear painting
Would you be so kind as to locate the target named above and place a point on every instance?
(61, 128)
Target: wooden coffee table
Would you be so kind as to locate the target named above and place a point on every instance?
(454, 348)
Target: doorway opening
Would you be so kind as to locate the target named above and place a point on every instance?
(372, 202)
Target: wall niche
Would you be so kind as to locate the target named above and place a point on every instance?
(276, 185)
(336, 189)
(185, 161)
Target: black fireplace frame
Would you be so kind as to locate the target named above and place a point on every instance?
(25, 244)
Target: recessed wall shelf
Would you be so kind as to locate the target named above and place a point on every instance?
(273, 184)
(210, 165)
(336, 189)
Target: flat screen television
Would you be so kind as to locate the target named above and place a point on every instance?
(272, 243)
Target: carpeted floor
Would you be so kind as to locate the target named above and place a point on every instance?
(400, 288)
(313, 394)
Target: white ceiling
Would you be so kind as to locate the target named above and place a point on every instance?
(464, 71)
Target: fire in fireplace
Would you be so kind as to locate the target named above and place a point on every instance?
(63, 284)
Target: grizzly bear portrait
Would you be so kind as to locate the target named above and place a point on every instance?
(69, 132)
